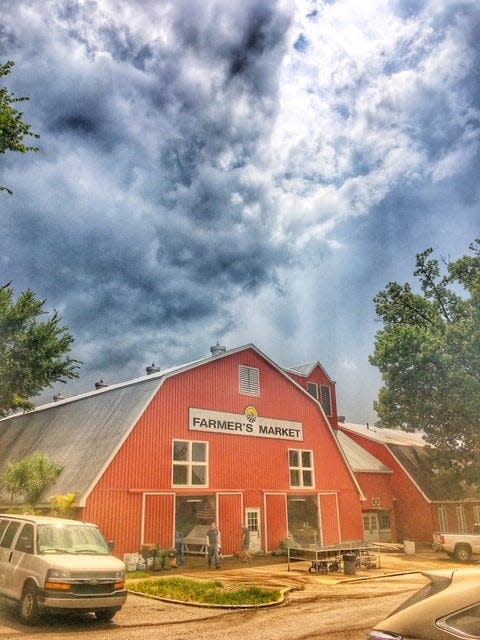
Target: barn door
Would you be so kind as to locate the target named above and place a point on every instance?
(252, 521)
(158, 526)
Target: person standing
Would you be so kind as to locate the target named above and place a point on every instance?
(244, 553)
(214, 545)
(179, 548)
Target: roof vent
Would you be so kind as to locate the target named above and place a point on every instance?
(218, 349)
(57, 397)
(152, 369)
(100, 385)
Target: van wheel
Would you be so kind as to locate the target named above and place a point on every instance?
(29, 605)
(463, 553)
(105, 615)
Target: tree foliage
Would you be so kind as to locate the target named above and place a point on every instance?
(29, 477)
(33, 351)
(63, 506)
(13, 129)
(428, 352)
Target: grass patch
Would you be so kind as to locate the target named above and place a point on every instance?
(206, 591)
(134, 575)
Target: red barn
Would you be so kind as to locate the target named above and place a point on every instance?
(415, 504)
(231, 437)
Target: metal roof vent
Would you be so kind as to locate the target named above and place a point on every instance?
(57, 397)
(100, 385)
(218, 349)
(152, 369)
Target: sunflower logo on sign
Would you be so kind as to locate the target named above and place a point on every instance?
(251, 414)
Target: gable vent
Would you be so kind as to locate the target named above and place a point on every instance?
(249, 380)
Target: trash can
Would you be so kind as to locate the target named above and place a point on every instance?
(409, 546)
(349, 564)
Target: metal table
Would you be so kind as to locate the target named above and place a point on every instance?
(331, 558)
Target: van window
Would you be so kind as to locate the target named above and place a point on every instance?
(25, 539)
(10, 534)
(69, 538)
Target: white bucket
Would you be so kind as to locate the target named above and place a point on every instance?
(131, 561)
(409, 546)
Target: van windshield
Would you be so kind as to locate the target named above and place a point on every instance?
(79, 538)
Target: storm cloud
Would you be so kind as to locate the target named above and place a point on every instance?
(242, 172)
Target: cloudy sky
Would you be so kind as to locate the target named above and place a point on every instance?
(239, 172)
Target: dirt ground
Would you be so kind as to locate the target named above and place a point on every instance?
(272, 571)
(333, 606)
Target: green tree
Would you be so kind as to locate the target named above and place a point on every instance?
(33, 352)
(13, 129)
(29, 477)
(63, 506)
(428, 352)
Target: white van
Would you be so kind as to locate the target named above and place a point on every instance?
(57, 565)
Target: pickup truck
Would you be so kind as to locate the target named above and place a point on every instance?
(460, 546)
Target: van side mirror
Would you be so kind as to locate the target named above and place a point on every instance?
(111, 545)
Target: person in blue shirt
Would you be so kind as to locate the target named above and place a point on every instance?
(214, 546)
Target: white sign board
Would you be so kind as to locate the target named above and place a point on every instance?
(247, 424)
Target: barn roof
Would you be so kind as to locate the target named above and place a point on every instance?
(306, 369)
(359, 459)
(78, 434)
(386, 436)
(409, 451)
(83, 433)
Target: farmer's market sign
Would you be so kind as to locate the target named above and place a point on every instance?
(247, 424)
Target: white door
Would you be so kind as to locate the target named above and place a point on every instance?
(252, 520)
(371, 532)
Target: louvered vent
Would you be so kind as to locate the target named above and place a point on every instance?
(249, 380)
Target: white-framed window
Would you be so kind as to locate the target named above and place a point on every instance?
(300, 463)
(476, 514)
(461, 519)
(312, 389)
(442, 518)
(384, 520)
(189, 463)
(326, 399)
(249, 380)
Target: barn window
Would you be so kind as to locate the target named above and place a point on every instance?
(312, 389)
(301, 468)
(190, 464)
(325, 399)
(462, 522)
(384, 517)
(249, 380)
(476, 513)
(442, 518)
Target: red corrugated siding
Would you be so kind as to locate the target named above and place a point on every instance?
(118, 513)
(329, 515)
(319, 377)
(414, 515)
(230, 515)
(276, 518)
(379, 486)
(235, 462)
(159, 525)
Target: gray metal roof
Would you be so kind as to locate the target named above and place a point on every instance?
(306, 369)
(81, 434)
(358, 458)
(303, 369)
(386, 436)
